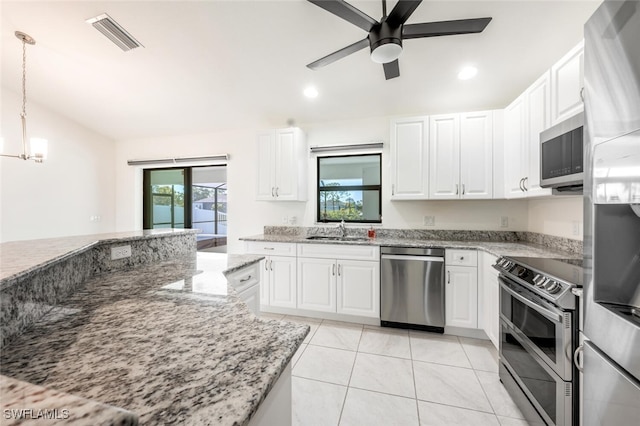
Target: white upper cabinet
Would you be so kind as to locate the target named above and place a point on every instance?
(410, 158)
(524, 119)
(444, 156)
(476, 155)
(461, 156)
(567, 77)
(538, 119)
(282, 165)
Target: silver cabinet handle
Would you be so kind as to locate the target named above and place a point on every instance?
(271, 265)
(244, 280)
(333, 270)
(269, 248)
(463, 189)
(582, 97)
(524, 180)
(277, 195)
(577, 359)
(339, 268)
(393, 189)
(461, 257)
(456, 189)
(266, 265)
(272, 193)
(520, 184)
(448, 277)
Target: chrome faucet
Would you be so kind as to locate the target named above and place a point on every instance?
(342, 228)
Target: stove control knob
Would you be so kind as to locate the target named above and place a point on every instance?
(537, 278)
(553, 287)
(543, 282)
(521, 272)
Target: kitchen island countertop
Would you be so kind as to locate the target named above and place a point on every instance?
(145, 341)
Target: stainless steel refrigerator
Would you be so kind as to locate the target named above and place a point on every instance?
(611, 377)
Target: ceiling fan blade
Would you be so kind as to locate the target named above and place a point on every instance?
(391, 70)
(444, 28)
(339, 54)
(347, 12)
(401, 12)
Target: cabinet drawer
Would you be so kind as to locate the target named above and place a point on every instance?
(339, 251)
(461, 257)
(245, 277)
(271, 249)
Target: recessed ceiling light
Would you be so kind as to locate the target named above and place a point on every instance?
(311, 92)
(467, 73)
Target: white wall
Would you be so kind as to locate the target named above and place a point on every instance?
(58, 197)
(559, 216)
(248, 216)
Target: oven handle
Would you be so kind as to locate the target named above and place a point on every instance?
(553, 316)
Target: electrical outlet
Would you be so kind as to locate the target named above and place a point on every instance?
(504, 221)
(429, 221)
(120, 252)
(293, 220)
(575, 227)
(285, 220)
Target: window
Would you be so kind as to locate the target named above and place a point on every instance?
(349, 189)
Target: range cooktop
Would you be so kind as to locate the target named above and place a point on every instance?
(550, 278)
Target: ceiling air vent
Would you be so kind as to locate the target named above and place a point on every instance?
(114, 32)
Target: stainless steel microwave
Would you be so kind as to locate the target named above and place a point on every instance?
(561, 156)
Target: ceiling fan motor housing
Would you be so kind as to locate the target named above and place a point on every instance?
(383, 34)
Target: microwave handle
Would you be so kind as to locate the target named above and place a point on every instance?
(543, 311)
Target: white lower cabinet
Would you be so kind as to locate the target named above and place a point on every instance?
(339, 279)
(358, 288)
(277, 273)
(489, 297)
(317, 284)
(461, 290)
(247, 283)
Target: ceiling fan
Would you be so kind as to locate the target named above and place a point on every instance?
(385, 37)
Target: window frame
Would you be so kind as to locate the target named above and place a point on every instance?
(319, 189)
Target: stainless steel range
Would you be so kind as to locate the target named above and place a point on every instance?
(538, 336)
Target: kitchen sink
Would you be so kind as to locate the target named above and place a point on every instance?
(336, 238)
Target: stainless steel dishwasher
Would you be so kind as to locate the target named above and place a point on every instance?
(412, 288)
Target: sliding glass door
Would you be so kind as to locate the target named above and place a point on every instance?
(167, 193)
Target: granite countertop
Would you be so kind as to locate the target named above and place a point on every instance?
(148, 341)
(496, 248)
(21, 257)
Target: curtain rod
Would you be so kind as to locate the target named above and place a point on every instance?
(374, 145)
(223, 157)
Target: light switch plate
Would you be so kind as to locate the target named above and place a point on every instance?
(429, 221)
(504, 221)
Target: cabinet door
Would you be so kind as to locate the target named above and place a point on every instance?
(266, 171)
(317, 284)
(286, 164)
(488, 313)
(461, 297)
(264, 282)
(282, 281)
(476, 155)
(444, 157)
(409, 159)
(566, 85)
(359, 288)
(251, 297)
(515, 153)
(538, 119)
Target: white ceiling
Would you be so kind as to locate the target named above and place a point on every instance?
(212, 65)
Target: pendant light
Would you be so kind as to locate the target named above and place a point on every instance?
(38, 146)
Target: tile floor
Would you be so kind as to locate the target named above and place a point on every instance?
(350, 374)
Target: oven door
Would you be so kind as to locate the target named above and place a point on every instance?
(551, 396)
(545, 328)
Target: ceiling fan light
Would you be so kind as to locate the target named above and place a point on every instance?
(386, 53)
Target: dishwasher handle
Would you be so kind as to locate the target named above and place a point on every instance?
(415, 258)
